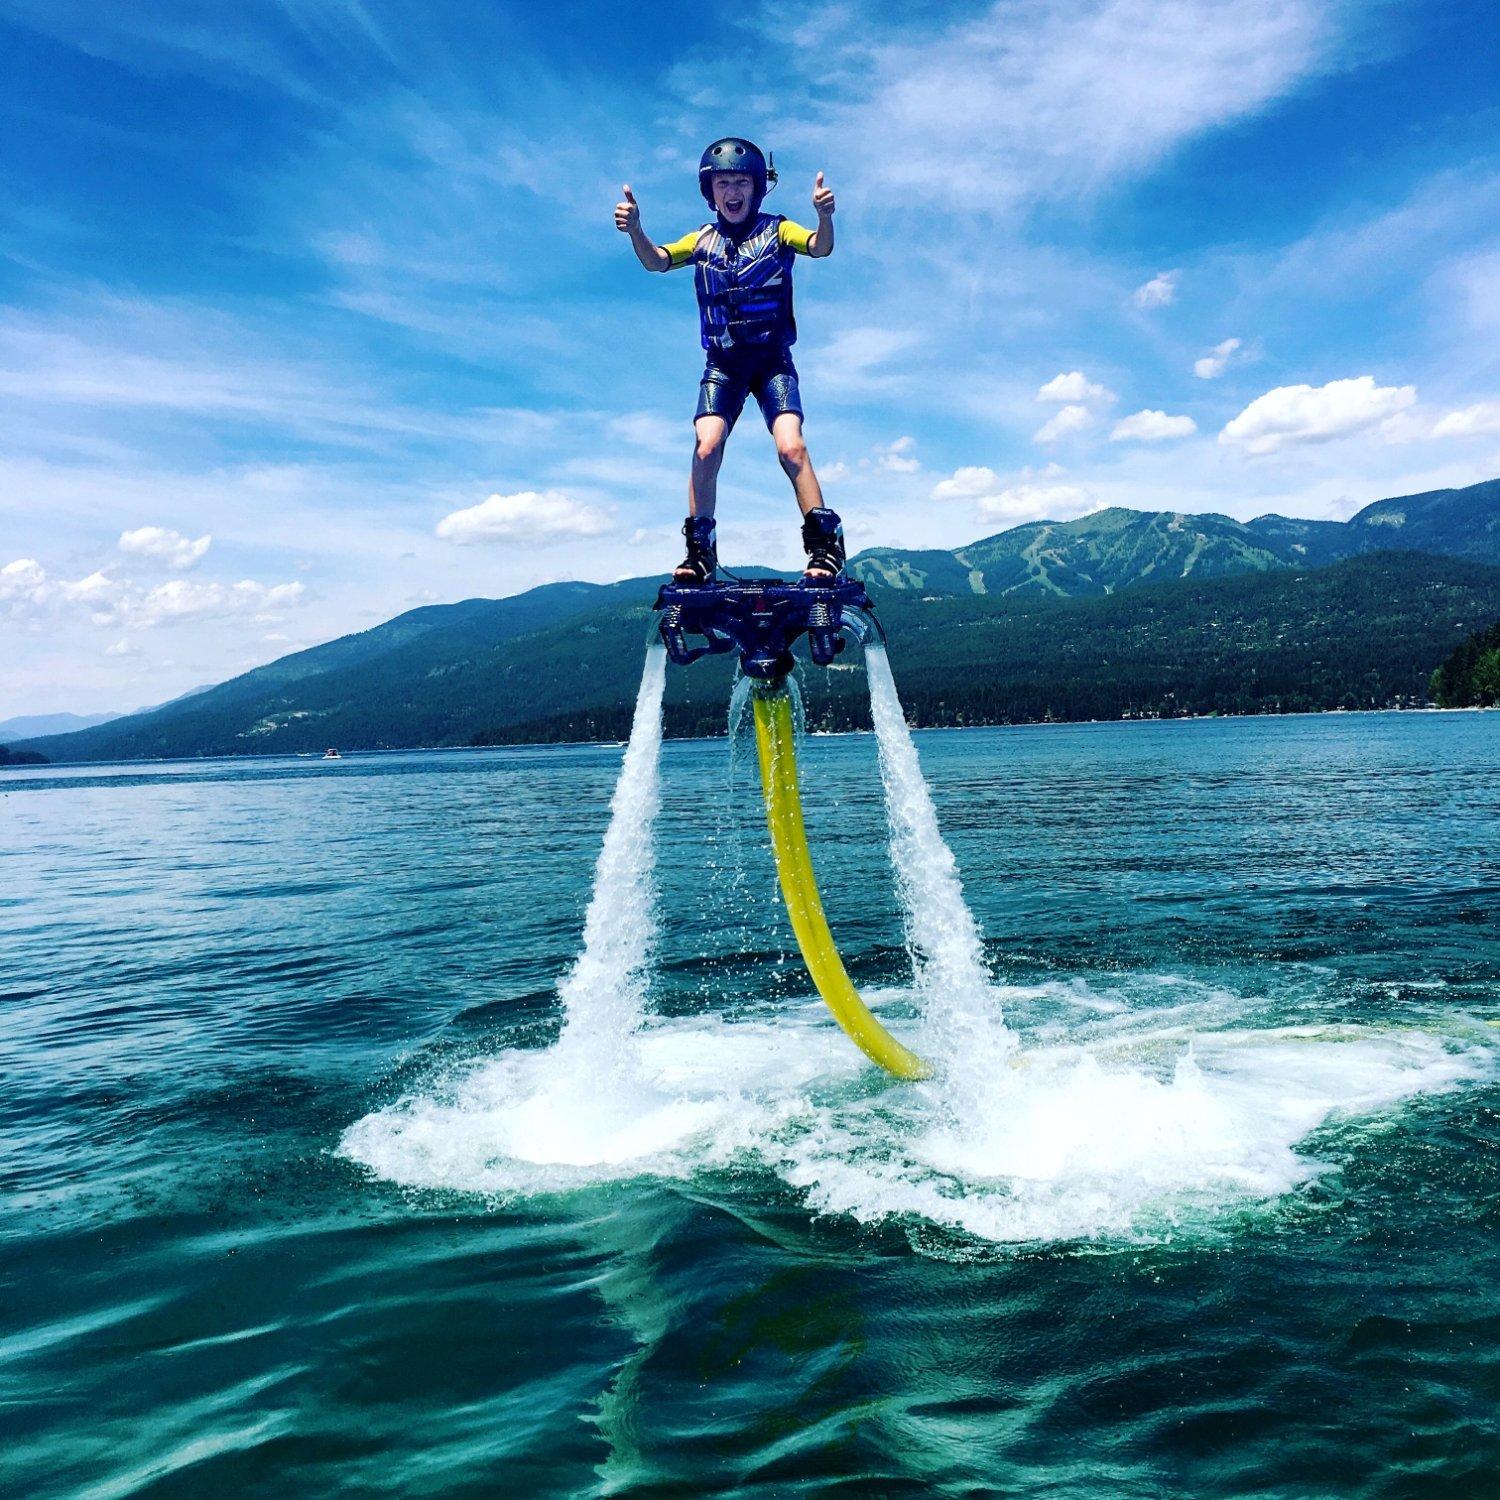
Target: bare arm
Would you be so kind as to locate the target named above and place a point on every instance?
(628, 221)
(821, 243)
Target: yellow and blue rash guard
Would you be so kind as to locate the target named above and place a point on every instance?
(744, 285)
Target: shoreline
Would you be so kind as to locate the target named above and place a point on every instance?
(688, 739)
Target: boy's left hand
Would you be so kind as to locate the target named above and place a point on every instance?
(823, 199)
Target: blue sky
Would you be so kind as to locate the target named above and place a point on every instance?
(291, 289)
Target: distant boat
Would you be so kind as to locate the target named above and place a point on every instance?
(331, 754)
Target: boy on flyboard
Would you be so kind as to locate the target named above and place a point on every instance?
(742, 263)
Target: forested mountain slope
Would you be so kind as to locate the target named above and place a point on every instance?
(564, 665)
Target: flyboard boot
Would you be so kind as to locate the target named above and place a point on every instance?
(823, 541)
(702, 560)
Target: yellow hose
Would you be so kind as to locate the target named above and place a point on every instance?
(776, 746)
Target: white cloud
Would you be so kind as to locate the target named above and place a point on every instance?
(526, 517)
(27, 588)
(997, 499)
(1036, 502)
(181, 600)
(167, 546)
(1069, 419)
(968, 483)
(1074, 386)
(1216, 361)
(1299, 414)
(1151, 427)
(897, 456)
(1411, 426)
(122, 648)
(21, 579)
(31, 593)
(98, 590)
(1480, 420)
(1160, 291)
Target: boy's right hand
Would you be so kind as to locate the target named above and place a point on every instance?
(627, 212)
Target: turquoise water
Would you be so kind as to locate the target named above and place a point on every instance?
(298, 1197)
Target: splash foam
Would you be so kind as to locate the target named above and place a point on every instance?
(1136, 1117)
(1139, 1130)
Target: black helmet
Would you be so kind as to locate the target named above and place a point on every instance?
(735, 154)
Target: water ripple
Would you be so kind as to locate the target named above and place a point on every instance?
(1230, 1229)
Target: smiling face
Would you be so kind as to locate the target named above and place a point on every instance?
(734, 192)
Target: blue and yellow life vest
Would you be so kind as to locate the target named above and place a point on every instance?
(744, 284)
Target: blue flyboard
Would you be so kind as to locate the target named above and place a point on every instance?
(762, 618)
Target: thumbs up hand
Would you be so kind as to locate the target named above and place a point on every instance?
(823, 199)
(627, 212)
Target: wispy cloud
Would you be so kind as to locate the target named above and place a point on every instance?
(326, 44)
(1160, 291)
(1068, 98)
(183, 363)
(1213, 364)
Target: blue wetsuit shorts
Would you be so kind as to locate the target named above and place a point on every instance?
(768, 375)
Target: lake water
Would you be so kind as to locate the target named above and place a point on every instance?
(301, 1195)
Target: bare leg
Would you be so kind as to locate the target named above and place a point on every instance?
(708, 454)
(792, 451)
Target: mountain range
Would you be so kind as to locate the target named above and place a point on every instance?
(1116, 548)
(33, 726)
(1122, 612)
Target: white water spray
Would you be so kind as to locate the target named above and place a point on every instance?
(588, 1104)
(1122, 1124)
(604, 993)
(962, 1018)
